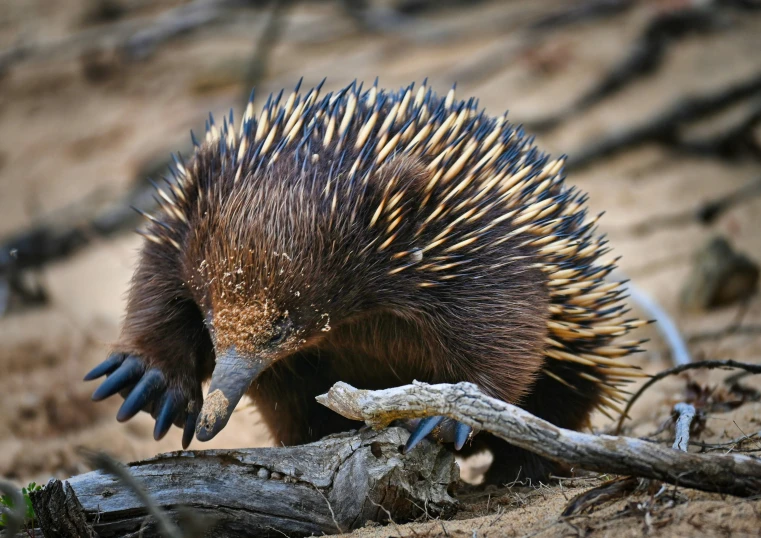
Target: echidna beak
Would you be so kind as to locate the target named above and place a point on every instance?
(230, 380)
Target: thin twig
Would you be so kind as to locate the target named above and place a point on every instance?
(388, 514)
(729, 444)
(686, 414)
(609, 491)
(753, 368)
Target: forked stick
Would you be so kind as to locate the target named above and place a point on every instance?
(735, 474)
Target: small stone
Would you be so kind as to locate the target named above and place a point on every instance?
(263, 473)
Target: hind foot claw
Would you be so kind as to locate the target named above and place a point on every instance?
(439, 428)
(145, 389)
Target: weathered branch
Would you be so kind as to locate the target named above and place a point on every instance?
(728, 473)
(645, 56)
(663, 127)
(340, 482)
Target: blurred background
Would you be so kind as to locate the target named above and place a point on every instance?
(657, 103)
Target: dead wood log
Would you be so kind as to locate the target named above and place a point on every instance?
(735, 474)
(334, 485)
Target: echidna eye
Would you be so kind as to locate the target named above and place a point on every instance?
(280, 330)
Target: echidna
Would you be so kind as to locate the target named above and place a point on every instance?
(376, 238)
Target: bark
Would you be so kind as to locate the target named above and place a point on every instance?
(331, 486)
(60, 513)
(735, 474)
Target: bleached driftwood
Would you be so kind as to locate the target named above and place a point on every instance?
(735, 474)
(334, 485)
(686, 414)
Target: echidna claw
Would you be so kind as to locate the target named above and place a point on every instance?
(151, 385)
(439, 428)
(144, 389)
(461, 435)
(169, 407)
(423, 429)
(106, 367)
(190, 429)
(128, 373)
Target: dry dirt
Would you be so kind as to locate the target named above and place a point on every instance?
(70, 131)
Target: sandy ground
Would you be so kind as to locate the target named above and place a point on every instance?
(66, 134)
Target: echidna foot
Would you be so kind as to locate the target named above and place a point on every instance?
(145, 389)
(439, 428)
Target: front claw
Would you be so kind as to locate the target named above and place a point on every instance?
(145, 389)
(439, 428)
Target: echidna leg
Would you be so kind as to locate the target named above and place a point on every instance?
(164, 353)
(285, 396)
(565, 405)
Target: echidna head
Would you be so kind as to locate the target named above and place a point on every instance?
(267, 264)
